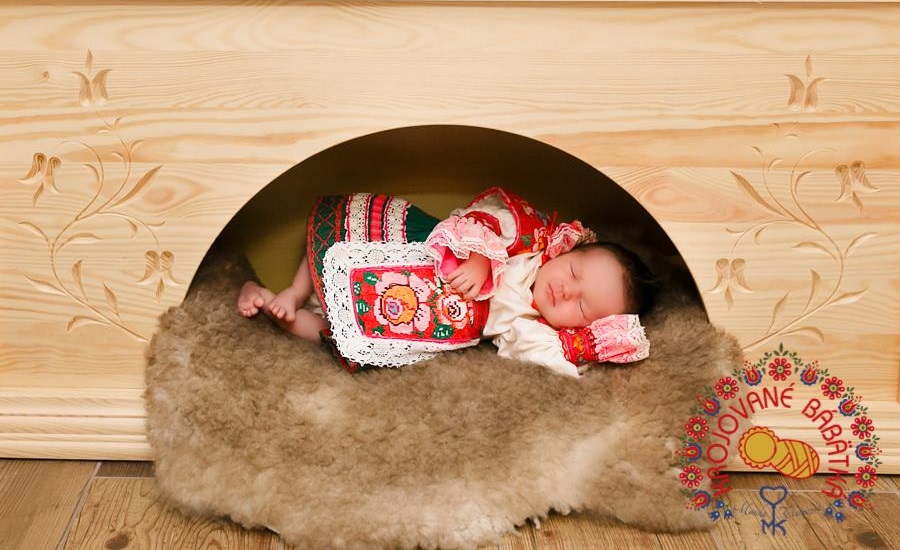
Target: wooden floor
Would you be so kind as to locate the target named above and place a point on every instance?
(115, 505)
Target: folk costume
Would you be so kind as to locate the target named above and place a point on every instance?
(379, 264)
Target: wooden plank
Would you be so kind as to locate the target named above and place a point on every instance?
(806, 524)
(673, 96)
(122, 512)
(577, 531)
(884, 517)
(38, 499)
(123, 468)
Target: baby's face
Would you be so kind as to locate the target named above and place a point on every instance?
(577, 288)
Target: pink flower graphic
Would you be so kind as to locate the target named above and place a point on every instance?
(402, 302)
(833, 387)
(690, 476)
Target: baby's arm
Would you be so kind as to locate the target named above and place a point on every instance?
(468, 245)
(617, 338)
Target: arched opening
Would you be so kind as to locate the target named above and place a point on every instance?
(438, 168)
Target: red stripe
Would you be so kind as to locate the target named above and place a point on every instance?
(376, 218)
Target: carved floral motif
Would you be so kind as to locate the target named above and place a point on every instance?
(43, 175)
(851, 179)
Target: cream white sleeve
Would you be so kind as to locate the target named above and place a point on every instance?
(529, 340)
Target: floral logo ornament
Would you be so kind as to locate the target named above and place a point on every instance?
(696, 428)
(731, 274)
(726, 388)
(108, 201)
(702, 432)
(691, 476)
(779, 369)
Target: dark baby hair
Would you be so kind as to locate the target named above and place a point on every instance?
(641, 285)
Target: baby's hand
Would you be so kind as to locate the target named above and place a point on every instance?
(469, 277)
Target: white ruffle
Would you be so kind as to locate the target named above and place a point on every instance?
(462, 236)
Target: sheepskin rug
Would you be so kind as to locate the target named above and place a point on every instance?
(249, 423)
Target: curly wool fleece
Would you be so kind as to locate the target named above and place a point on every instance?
(249, 423)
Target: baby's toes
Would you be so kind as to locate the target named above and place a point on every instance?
(248, 311)
(258, 302)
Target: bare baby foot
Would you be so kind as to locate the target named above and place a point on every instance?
(285, 304)
(251, 298)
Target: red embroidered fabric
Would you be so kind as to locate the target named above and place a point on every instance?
(616, 338)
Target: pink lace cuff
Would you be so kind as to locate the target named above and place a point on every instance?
(616, 338)
(453, 239)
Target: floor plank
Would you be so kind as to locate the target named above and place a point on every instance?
(884, 516)
(578, 531)
(130, 512)
(37, 500)
(687, 541)
(807, 526)
(125, 468)
(745, 530)
(121, 506)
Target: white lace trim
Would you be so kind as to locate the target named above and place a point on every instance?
(351, 342)
(609, 343)
(357, 216)
(395, 220)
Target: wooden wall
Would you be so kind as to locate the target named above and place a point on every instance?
(762, 138)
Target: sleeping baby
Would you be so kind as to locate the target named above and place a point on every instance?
(386, 284)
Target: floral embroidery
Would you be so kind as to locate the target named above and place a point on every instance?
(454, 310)
(614, 338)
(409, 303)
(402, 302)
